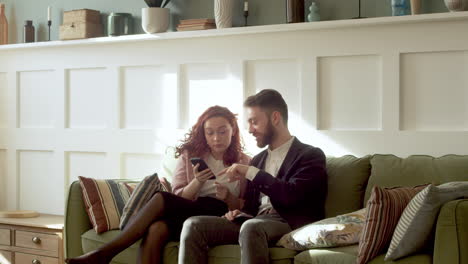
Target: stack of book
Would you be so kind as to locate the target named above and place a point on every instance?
(196, 24)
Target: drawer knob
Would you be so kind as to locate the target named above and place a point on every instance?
(36, 240)
(36, 261)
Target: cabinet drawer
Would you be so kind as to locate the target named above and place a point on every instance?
(21, 258)
(5, 257)
(5, 237)
(48, 242)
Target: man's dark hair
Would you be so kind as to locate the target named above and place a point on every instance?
(269, 100)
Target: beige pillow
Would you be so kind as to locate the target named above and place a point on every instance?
(336, 231)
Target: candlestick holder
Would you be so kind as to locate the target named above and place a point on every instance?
(246, 15)
(49, 23)
(359, 12)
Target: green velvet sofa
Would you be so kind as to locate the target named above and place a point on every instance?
(350, 183)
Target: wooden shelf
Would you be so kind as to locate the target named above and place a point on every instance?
(366, 22)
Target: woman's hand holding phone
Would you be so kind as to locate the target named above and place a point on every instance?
(202, 176)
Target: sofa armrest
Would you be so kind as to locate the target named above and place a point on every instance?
(76, 221)
(451, 238)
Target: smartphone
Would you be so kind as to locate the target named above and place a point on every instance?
(202, 165)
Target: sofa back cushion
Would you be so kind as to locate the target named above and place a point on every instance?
(347, 179)
(391, 171)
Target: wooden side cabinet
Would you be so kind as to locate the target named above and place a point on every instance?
(37, 240)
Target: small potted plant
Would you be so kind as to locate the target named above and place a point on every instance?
(155, 17)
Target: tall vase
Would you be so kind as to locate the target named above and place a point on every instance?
(415, 7)
(3, 25)
(223, 13)
(295, 11)
(456, 5)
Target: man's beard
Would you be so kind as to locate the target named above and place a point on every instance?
(267, 138)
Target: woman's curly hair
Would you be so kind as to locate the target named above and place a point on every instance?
(195, 142)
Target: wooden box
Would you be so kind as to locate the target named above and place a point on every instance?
(82, 16)
(80, 31)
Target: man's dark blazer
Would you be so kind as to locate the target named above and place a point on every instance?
(299, 190)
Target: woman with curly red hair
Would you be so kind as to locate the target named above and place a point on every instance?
(215, 138)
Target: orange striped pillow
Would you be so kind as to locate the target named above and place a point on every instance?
(104, 201)
(384, 209)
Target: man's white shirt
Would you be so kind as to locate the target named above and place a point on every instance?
(273, 163)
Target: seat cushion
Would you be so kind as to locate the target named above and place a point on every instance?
(225, 254)
(230, 254)
(338, 255)
(347, 179)
(414, 259)
(347, 255)
(91, 241)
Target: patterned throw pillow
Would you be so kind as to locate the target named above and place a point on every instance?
(336, 231)
(384, 209)
(418, 219)
(104, 201)
(148, 187)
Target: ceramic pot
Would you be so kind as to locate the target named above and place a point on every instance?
(154, 19)
(456, 5)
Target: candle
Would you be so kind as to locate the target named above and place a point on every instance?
(246, 6)
(48, 13)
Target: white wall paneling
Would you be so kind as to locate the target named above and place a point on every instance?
(40, 188)
(109, 107)
(434, 91)
(3, 100)
(36, 99)
(87, 164)
(352, 100)
(88, 103)
(138, 166)
(147, 94)
(3, 174)
(282, 75)
(208, 84)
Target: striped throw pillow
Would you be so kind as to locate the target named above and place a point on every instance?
(104, 201)
(148, 187)
(419, 217)
(384, 209)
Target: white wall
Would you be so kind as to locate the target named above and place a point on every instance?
(108, 108)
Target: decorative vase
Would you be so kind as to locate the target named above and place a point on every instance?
(295, 11)
(223, 13)
(400, 7)
(415, 7)
(456, 5)
(314, 13)
(154, 19)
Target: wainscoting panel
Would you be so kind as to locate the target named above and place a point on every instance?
(208, 84)
(87, 164)
(3, 174)
(147, 93)
(350, 92)
(3, 100)
(434, 91)
(283, 75)
(40, 188)
(88, 98)
(37, 99)
(138, 166)
(111, 107)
